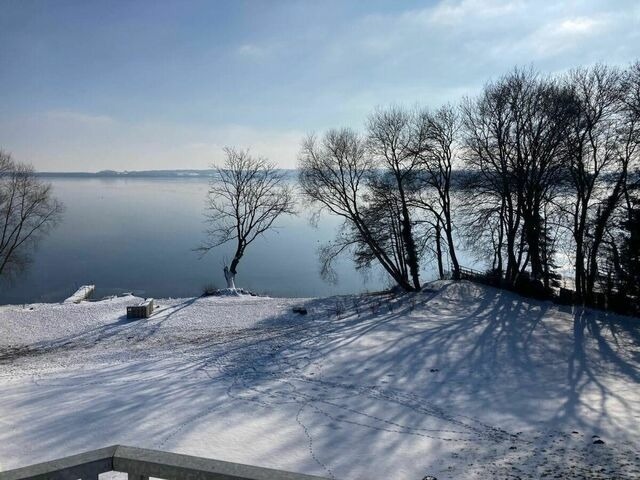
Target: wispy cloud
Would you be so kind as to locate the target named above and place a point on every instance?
(457, 12)
(559, 36)
(460, 44)
(253, 51)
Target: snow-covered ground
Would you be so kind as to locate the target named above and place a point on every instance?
(461, 381)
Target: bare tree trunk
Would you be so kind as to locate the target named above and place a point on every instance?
(512, 260)
(602, 219)
(579, 276)
(230, 272)
(230, 278)
(412, 255)
(448, 230)
(532, 235)
(499, 266)
(439, 251)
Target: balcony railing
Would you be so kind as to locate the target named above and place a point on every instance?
(140, 464)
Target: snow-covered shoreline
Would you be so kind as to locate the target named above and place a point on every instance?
(463, 381)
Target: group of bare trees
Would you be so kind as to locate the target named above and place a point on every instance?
(534, 171)
(604, 149)
(514, 139)
(391, 186)
(552, 170)
(28, 211)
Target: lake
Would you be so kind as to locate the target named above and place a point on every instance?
(138, 235)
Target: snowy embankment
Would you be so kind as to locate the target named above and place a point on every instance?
(460, 382)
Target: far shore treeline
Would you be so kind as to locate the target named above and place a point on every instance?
(535, 174)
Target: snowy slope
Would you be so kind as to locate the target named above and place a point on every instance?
(460, 382)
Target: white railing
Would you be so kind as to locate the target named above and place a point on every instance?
(140, 464)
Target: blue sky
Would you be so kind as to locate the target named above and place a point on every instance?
(90, 85)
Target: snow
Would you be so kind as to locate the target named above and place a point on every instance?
(459, 381)
(81, 294)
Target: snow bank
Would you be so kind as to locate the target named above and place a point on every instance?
(464, 381)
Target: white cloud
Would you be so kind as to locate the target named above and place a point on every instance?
(577, 26)
(457, 45)
(455, 12)
(565, 34)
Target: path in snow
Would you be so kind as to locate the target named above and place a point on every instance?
(461, 382)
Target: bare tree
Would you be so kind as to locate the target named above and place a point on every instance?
(381, 188)
(338, 175)
(397, 139)
(603, 147)
(592, 146)
(612, 253)
(543, 114)
(442, 129)
(27, 212)
(490, 188)
(244, 201)
(515, 135)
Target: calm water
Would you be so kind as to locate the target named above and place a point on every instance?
(138, 235)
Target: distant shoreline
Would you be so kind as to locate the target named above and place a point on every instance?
(142, 174)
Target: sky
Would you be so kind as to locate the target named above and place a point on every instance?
(135, 85)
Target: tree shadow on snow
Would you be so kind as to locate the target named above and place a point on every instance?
(453, 373)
